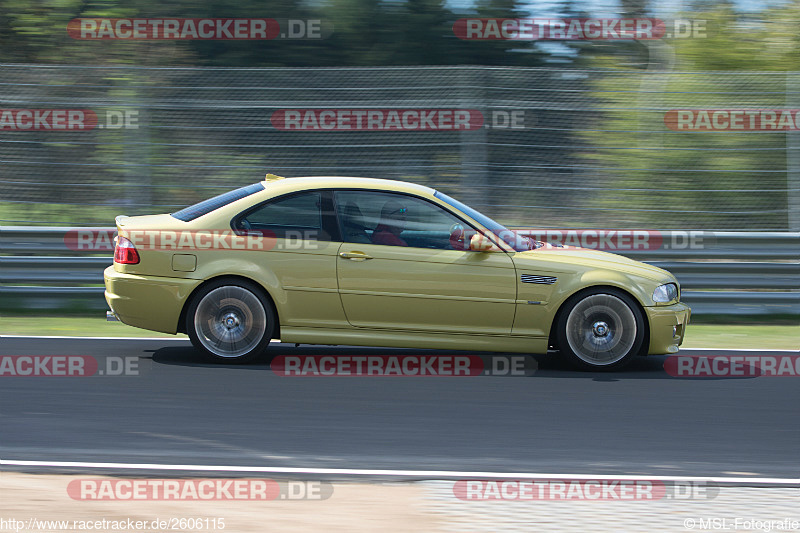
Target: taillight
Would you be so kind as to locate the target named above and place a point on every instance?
(125, 252)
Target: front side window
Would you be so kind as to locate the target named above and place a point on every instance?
(512, 238)
(398, 220)
(298, 216)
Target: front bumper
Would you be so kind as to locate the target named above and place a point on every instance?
(667, 327)
(147, 302)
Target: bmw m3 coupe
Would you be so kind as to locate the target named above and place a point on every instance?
(370, 262)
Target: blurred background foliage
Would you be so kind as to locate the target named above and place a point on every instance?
(402, 32)
(595, 150)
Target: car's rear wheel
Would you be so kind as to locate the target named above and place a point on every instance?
(602, 329)
(230, 321)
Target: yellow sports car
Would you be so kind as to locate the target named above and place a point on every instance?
(369, 262)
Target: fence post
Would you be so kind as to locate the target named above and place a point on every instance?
(136, 153)
(474, 147)
(793, 155)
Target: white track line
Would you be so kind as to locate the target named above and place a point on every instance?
(436, 474)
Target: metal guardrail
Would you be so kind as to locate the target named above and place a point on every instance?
(732, 273)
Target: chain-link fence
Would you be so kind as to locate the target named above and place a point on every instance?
(541, 148)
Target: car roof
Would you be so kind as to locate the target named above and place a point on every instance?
(278, 185)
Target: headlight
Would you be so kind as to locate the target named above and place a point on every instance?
(665, 293)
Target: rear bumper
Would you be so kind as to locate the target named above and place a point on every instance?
(667, 327)
(147, 302)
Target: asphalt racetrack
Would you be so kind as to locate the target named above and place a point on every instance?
(181, 410)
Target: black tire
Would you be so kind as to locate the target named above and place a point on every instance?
(600, 330)
(231, 321)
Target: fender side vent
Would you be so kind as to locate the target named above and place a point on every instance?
(543, 280)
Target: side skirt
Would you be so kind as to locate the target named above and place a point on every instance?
(414, 339)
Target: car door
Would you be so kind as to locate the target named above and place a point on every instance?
(397, 269)
(303, 256)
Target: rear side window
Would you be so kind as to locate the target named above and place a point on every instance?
(299, 216)
(299, 211)
(206, 206)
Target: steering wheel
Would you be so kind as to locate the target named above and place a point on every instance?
(457, 237)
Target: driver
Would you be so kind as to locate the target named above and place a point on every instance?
(392, 224)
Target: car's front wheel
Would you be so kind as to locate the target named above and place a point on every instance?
(601, 329)
(230, 321)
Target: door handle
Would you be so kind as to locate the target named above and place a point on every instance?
(354, 255)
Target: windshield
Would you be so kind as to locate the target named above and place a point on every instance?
(512, 238)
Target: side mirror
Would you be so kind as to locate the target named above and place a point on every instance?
(480, 243)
